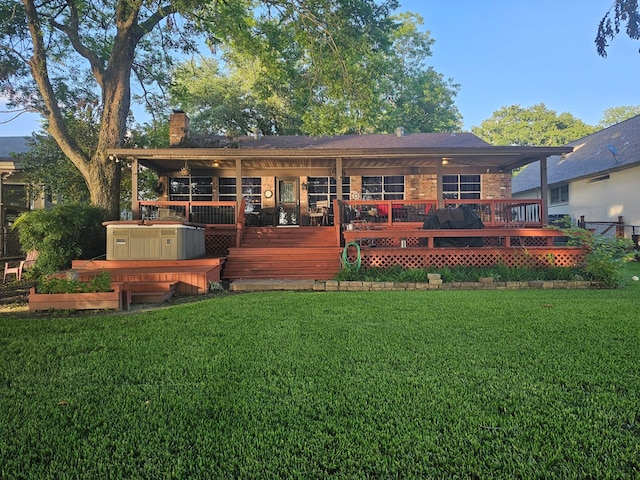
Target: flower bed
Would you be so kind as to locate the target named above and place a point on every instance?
(76, 301)
(54, 293)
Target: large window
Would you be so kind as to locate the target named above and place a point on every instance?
(559, 194)
(251, 191)
(383, 188)
(191, 189)
(461, 187)
(325, 189)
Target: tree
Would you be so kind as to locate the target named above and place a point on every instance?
(59, 54)
(536, 125)
(614, 115)
(622, 11)
(396, 88)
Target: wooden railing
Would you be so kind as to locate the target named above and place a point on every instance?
(209, 213)
(493, 213)
(508, 212)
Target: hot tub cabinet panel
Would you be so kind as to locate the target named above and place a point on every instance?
(154, 242)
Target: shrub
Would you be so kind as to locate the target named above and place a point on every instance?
(62, 234)
(605, 261)
(100, 283)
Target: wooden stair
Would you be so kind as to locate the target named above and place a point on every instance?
(152, 292)
(284, 253)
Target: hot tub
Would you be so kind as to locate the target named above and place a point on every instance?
(154, 241)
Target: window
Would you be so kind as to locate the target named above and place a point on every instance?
(14, 194)
(383, 188)
(325, 188)
(185, 189)
(461, 187)
(251, 191)
(559, 194)
(598, 179)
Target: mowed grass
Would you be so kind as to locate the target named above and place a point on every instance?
(435, 384)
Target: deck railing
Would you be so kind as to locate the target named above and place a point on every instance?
(385, 213)
(509, 212)
(209, 213)
(493, 213)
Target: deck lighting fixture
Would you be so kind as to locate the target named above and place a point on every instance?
(185, 171)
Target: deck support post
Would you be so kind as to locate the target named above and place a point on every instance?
(135, 202)
(544, 191)
(439, 188)
(238, 188)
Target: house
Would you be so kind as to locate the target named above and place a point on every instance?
(293, 173)
(375, 191)
(14, 197)
(598, 180)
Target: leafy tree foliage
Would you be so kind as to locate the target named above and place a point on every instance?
(61, 54)
(622, 11)
(536, 125)
(382, 88)
(46, 167)
(614, 115)
(62, 234)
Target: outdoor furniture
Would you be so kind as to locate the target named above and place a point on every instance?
(21, 267)
(320, 213)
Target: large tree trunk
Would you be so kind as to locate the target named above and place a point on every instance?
(101, 174)
(103, 181)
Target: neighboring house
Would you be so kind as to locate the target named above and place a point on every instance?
(598, 181)
(13, 192)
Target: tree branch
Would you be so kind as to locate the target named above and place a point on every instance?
(72, 32)
(38, 64)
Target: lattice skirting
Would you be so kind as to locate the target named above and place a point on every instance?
(534, 257)
(219, 244)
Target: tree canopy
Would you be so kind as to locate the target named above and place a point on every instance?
(614, 115)
(62, 54)
(621, 12)
(375, 90)
(536, 125)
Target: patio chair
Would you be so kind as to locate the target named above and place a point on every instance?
(21, 267)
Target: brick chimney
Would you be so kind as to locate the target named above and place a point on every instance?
(179, 126)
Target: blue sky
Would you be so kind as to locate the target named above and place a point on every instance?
(508, 52)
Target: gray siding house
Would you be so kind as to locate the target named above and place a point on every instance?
(599, 180)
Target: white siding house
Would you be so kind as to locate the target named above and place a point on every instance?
(599, 180)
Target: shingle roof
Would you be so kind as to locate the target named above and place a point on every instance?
(345, 142)
(9, 145)
(613, 148)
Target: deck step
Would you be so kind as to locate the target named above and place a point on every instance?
(305, 253)
(152, 292)
(315, 263)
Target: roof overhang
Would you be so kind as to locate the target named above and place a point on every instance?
(320, 161)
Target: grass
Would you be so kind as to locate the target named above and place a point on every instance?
(436, 384)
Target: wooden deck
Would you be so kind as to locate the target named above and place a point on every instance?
(191, 277)
(284, 253)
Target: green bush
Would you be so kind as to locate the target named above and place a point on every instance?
(100, 283)
(605, 261)
(62, 234)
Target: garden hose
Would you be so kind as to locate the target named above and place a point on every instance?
(345, 257)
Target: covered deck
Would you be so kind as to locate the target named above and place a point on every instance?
(380, 234)
(249, 192)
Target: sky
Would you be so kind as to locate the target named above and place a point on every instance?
(512, 52)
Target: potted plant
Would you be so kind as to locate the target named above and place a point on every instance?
(56, 293)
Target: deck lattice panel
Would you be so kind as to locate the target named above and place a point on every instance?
(473, 257)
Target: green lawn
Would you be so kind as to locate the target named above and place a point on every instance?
(416, 384)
